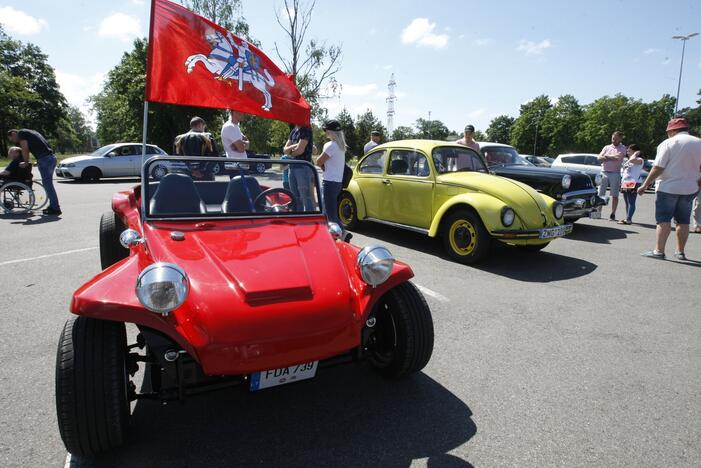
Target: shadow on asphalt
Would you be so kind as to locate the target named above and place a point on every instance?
(503, 260)
(347, 416)
(30, 218)
(598, 234)
(115, 180)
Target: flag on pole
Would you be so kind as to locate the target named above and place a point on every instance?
(194, 62)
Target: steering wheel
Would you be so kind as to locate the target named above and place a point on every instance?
(275, 207)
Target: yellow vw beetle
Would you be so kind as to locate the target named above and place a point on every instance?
(445, 189)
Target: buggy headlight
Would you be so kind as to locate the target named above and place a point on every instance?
(375, 264)
(162, 287)
(566, 181)
(558, 209)
(507, 216)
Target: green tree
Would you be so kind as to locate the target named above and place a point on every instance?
(119, 106)
(479, 136)
(523, 131)
(29, 95)
(499, 130)
(313, 63)
(277, 136)
(403, 133)
(560, 126)
(431, 129)
(226, 13)
(349, 132)
(693, 115)
(74, 135)
(364, 124)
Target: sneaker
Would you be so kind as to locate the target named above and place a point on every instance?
(680, 256)
(653, 254)
(52, 211)
(612, 217)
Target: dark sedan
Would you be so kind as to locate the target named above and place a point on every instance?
(575, 189)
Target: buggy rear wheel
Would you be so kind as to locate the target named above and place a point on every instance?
(92, 400)
(111, 251)
(402, 339)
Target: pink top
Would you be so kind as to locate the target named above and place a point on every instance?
(472, 144)
(611, 150)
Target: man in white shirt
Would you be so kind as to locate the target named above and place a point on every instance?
(234, 142)
(374, 141)
(678, 168)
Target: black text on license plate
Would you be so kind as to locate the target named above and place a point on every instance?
(275, 377)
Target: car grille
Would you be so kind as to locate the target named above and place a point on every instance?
(581, 182)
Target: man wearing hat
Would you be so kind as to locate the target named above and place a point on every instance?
(468, 138)
(374, 141)
(197, 142)
(677, 168)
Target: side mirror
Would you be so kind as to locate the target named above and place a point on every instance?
(129, 238)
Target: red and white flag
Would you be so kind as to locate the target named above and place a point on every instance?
(194, 62)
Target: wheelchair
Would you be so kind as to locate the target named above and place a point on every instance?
(19, 196)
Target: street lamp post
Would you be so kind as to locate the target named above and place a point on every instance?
(535, 142)
(681, 65)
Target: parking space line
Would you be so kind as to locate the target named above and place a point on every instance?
(431, 293)
(67, 252)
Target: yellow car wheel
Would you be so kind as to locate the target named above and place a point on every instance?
(347, 211)
(465, 237)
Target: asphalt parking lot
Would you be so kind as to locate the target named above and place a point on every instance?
(585, 354)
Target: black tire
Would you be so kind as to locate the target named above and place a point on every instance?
(92, 404)
(402, 342)
(90, 174)
(533, 247)
(158, 171)
(111, 251)
(347, 211)
(464, 236)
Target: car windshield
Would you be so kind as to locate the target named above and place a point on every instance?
(452, 159)
(103, 150)
(195, 187)
(503, 156)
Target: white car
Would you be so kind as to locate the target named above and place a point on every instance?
(587, 162)
(116, 160)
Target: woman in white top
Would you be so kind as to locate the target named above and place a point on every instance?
(332, 161)
(630, 173)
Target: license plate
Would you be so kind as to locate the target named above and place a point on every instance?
(285, 375)
(596, 214)
(549, 233)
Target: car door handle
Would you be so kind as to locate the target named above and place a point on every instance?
(386, 181)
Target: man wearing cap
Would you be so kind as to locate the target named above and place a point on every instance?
(197, 142)
(468, 138)
(611, 159)
(374, 141)
(677, 168)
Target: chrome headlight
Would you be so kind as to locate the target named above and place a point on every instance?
(566, 181)
(507, 216)
(162, 287)
(375, 264)
(597, 179)
(558, 210)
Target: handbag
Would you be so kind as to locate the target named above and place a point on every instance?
(628, 185)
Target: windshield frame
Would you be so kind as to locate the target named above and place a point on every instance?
(506, 149)
(147, 216)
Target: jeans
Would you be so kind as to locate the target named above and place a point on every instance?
(46, 165)
(671, 205)
(331, 192)
(630, 196)
(301, 187)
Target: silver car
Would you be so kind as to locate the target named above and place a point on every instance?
(116, 160)
(587, 162)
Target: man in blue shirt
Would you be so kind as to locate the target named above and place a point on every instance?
(299, 146)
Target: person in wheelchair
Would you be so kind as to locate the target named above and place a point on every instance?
(14, 172)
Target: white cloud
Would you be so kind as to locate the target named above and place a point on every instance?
(387, 67)
(120, 26)
(358, 90)
(476, 113)
(461, 36)
(651, 51)
(482, 42)
(137, 2)
(19, 22)
(385, 94)
(533, 48)
(420, 31)
(362, 108)
(78, 89)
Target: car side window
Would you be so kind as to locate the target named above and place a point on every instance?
(151, 150)
(591, 161)
(408, 163)
(374, 163)
(573, 159)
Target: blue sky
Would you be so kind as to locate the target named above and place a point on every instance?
(465, 61)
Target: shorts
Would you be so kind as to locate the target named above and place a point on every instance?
(671, 205)
(610, 180)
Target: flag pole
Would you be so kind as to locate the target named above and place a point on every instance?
(145, 132)
(149, 61)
